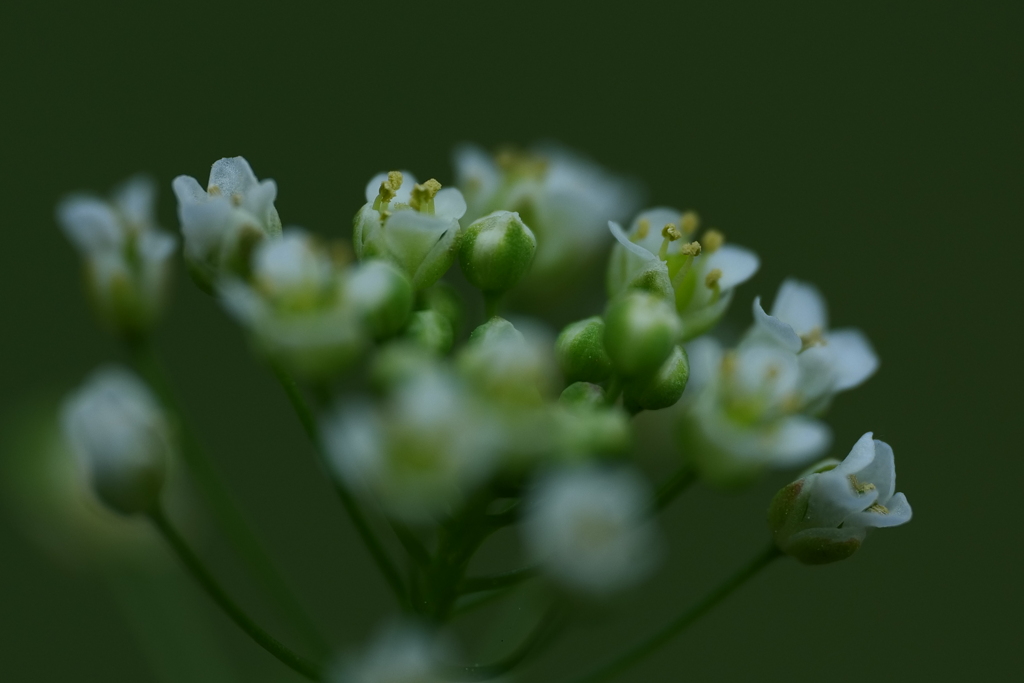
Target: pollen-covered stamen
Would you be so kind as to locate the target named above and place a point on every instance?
(858, 486)
(690, 251)
(422, 197)
(213, 190)
(878, 508)
(388, 190)
(642, 229)
(812, 338)
(712, 240)
(711, 282)
(670, 233)
(689, 222)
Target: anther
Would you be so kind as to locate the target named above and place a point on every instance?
(712, 278)
(689, 222)
(712, 240)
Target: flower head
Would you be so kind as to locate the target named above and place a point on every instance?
(590, 528)
(120, 435)
(661, 255)
(824, 516)
(127, 257)
(405, 653)
(223, 223)
(415, 226)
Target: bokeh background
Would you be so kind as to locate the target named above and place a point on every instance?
(872, 148)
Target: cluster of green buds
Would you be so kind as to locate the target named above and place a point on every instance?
(453, 420)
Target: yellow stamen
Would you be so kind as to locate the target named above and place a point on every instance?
(689, 222)
(214, 190)
(859, 487)
(422, 197)
(879, 508)
(713, 239)
(387, 190)
(712, 278)
(671, 233)
(642, 228)
(691, 249)
(813, 338)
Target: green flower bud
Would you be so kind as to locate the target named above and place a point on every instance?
(507, 366)
(585, 431)
(663, 388)
(497, 251)
(582, 393)
(581, 353)
(641, 331)
(786, 514)
(447, 301)
(431, 330)
(381, 294)
(399, 361)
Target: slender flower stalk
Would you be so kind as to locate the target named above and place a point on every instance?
(195, 566)
(638, 652)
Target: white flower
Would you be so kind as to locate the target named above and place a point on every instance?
(222, 223)
(564, 198)
(698, 277)
(402, 654)
(420, 452)
(414, 226)
(508, 366)
(127, 257)
(833, 360)
(591, 528)
(120, 435)
(824, 516)
(743, 412)
(295, 307)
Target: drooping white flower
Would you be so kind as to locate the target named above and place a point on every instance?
(120, 435)
(566, 200)
(832, 360)
(420, 452)
(698, 277)
(415, 226)
(590, 528)
(295, 307)
(224, 222)
(743, 412)
(405, 653)
(127, 257)
(824, 516)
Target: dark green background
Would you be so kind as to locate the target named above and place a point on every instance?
(872, 148)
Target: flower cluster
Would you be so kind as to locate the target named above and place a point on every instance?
(453, 431)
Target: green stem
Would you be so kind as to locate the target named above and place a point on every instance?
(547, 626)
(348, 501)
(676, 484)
(479, 584)
(613, 390)
(679, 624)
(492, 303)
(217, 496)
(195, 566)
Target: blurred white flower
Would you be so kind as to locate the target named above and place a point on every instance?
(415, 226)
(118, 431)
(743, 412)
(832, 360)
(566, 200)
(223, 223)
(590, 528)
(419, 453)
(698, 277)
(824, 516)
(295, 307)
(127, 257)
(402, 654)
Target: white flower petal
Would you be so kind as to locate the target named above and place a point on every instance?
(89, 223)
(834, 499)
(188, 191)
(780, 331)
(449, 203)
(232, 176)
(797, 440)
(630, 246)
(854, 360)
(475, 171)
(738, 264)
(898, 512)
(801, 306)
(881, 471)
(135, 199)
(861, 455)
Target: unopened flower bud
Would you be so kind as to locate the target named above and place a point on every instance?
(824, 516)
(662, 389)
(506, 365)
(431, 330)
(118, 431)
(496, 251)
(582, 394)
(581, 353)
(381, 294)
(641, 331)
